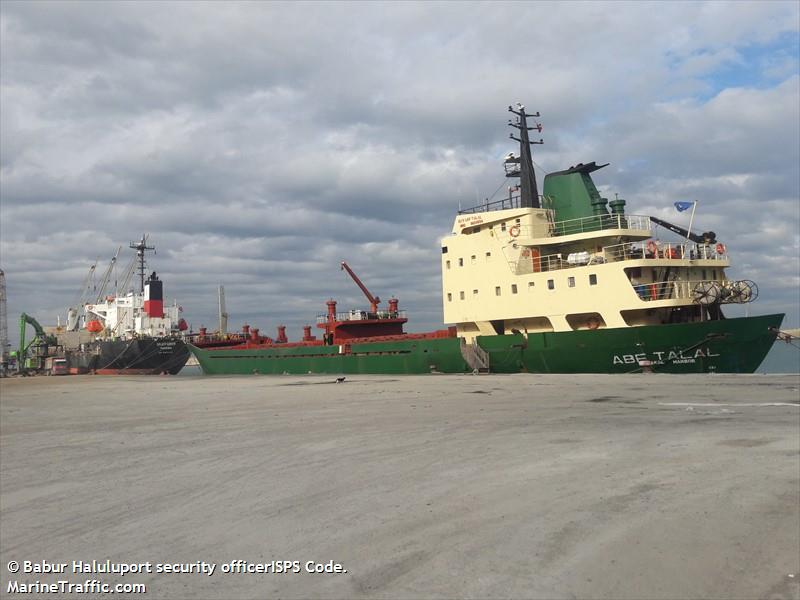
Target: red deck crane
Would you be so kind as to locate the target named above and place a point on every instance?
(373, 300)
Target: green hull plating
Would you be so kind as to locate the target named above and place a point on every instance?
(407, 357)
(726, 346)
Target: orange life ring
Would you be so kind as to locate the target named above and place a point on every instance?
(513, 231)
(720, 248)
(652, 248)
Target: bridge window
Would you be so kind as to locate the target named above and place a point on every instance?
(513, 288)
(472, 259)
(592, 279)
(449, 297)
(488, 255)
(530, 286)
(461, 295)
(447, 264)
(497, 291)
(503, 226)
(444, 249)
(474, 292)
(551, 284)
(460, 262)
(571, 281)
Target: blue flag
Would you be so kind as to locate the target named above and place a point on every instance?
(682, 206)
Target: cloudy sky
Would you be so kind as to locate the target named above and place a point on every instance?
(259, 144)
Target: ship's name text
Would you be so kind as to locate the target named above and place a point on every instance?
(661, 357)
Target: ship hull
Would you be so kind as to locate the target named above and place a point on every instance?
(143, 356)
(725, 346)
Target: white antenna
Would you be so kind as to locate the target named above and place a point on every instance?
(223, 316)
(4, 344)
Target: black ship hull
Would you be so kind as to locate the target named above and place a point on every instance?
(143, 356)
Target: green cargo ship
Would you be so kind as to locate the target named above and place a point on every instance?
(562, 282)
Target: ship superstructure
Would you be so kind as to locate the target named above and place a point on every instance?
(135, 314)
(570, 260)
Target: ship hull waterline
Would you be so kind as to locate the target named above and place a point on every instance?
(725, 346)
(142, 356)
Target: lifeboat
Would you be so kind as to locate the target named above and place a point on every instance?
(94, 326)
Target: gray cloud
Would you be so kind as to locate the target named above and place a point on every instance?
(261, 143)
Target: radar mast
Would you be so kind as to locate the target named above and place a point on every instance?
(522, 166)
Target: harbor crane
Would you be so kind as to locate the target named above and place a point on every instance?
(373, 300)
(31, 357)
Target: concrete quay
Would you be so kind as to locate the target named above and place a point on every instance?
(518, 486)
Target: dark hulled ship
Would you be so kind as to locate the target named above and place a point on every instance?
(132, 333)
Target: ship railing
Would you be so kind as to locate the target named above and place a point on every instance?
(584, 225)
(363, 315)
(530, 262)
(701, 291)
(656, 249)
(601, 222)
(511, 201)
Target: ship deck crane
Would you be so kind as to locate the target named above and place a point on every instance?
(73, 311)
(373, 300)
(707, 237)
(106, 277)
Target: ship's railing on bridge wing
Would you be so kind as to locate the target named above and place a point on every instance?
(530, 262)
(705, 291)
(363, 315)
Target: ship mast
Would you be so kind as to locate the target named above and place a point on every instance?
(141, 247)
(523, 164)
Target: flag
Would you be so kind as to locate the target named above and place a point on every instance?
(682, 206)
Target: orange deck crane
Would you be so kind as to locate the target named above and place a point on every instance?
(373, 300)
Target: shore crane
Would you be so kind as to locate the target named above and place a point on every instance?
(373, 300)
